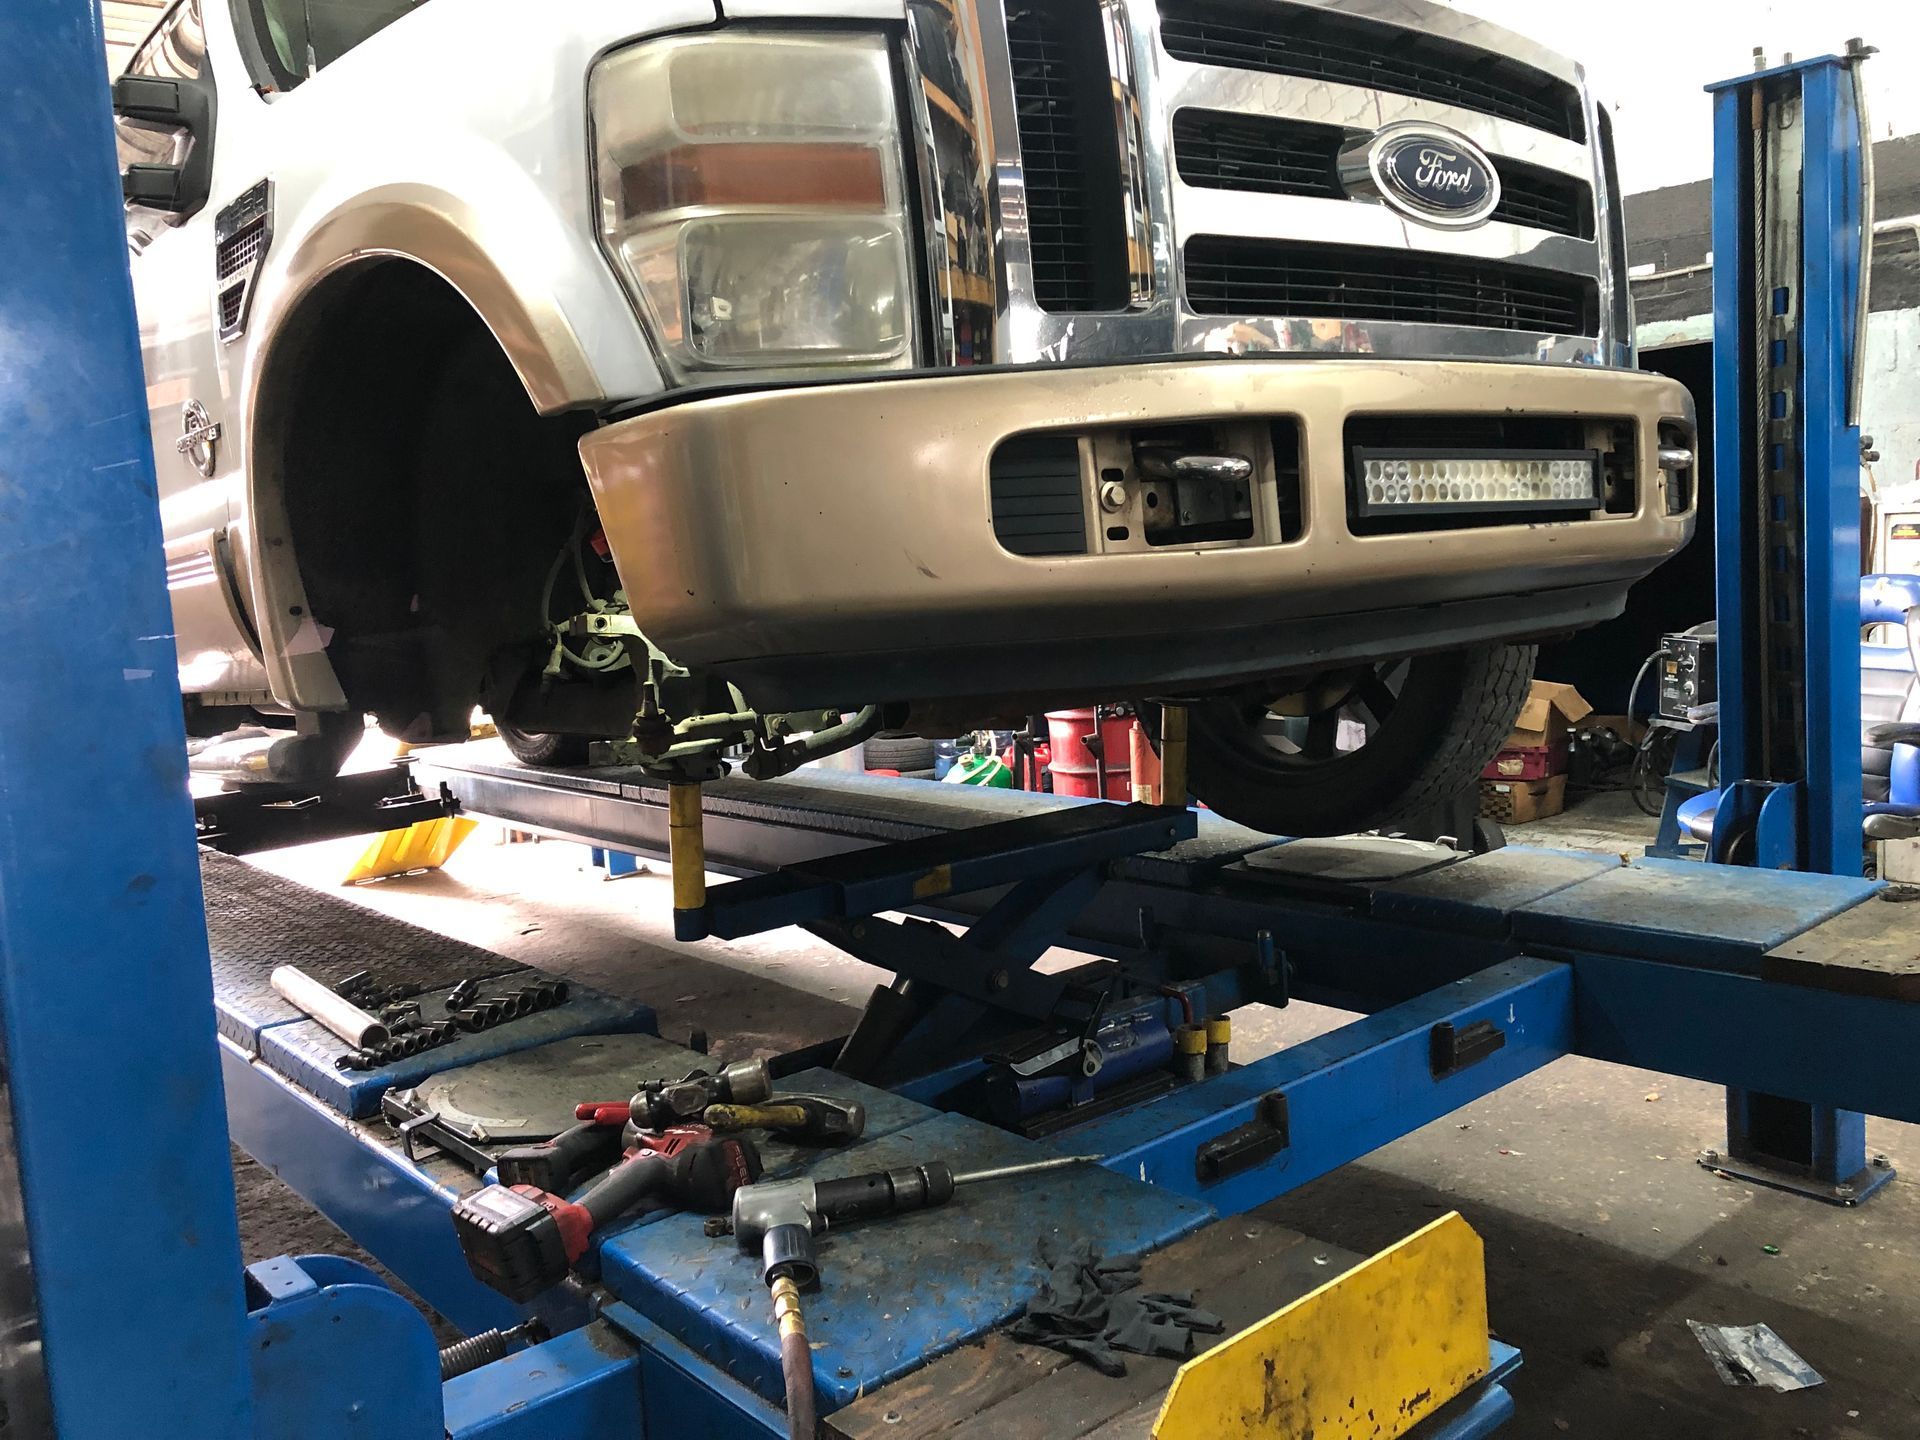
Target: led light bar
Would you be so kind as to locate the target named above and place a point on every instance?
(1401, 482)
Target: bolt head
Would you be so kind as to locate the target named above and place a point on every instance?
(1881, 1162)
(999, 980)
(1113, 496)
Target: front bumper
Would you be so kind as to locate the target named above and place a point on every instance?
(849, 527)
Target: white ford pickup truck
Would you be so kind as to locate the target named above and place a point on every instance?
(680, 372)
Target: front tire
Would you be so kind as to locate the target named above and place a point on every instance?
(532, 748)
(1430, 725)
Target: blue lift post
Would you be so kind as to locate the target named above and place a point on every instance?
(1788, 221)
(123, 1292)
(121, 1141)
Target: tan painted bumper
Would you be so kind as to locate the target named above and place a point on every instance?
(841, 519)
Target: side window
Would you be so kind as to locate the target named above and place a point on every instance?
(335, 26)
(176, 50)
(294, 38)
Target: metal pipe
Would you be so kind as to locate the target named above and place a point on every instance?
(342, 1017)
(1031, 1167)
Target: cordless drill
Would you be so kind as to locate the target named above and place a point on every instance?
(522, 1240)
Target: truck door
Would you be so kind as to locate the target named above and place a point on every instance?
(166, 113)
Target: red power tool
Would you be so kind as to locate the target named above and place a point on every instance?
(522, 1240)
(571, 1156)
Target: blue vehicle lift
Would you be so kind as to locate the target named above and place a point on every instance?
(1467, 972)
(1791, 213)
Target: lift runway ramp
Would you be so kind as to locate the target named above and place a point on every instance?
(257, 921)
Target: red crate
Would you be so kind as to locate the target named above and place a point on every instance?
(1527, 762)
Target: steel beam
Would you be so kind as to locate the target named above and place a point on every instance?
(1826, 1047)
(1332, 1099)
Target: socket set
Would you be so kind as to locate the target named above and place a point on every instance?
(467, 1013)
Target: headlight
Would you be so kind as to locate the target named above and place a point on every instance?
(751, 198)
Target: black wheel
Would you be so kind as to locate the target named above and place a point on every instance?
(530, 748)
(1360, 747)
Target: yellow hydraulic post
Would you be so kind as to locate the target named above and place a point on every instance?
(687, 847)
(1173, 755)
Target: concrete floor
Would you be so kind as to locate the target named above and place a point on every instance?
(1603, 1235)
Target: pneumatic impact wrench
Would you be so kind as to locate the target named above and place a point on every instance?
(779, 1218)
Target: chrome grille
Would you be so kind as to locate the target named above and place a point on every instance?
(1236, 276)
(1319, 45)
(241, 250)
(1158, 177)
(1066, 149)
(1057, 205)
(1292, 157)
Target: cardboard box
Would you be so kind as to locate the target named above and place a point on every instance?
(1550, 712)
(1536, 747)
(1515, 802)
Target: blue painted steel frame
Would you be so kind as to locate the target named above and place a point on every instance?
(1829, 836)
(337, 1354)
(1347, 1092)
(588, 1382)
(104, 978)
(369, 1189)
(1811, 821)
(1830, 292)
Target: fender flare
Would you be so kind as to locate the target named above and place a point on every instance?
(479, 256)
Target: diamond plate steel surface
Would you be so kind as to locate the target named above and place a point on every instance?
(896, 1292)
(256, 920)
(304, 1051)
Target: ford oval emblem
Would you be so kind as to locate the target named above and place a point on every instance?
(1429, 174)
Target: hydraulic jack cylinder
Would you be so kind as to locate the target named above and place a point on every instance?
(687, 847)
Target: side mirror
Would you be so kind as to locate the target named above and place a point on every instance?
(177, 104)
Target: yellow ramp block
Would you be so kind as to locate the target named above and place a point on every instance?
(1367, 1356)
(424, 845)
